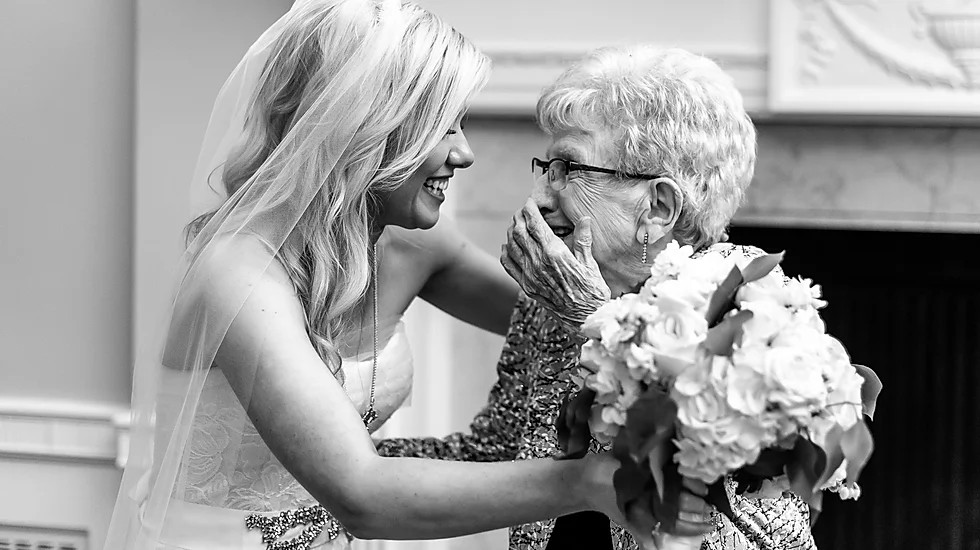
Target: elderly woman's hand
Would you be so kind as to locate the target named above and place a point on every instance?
(566, 282)
(693, 521)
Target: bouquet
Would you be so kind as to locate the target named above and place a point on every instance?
(719, 367)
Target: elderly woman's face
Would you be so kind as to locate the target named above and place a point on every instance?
(614, 208)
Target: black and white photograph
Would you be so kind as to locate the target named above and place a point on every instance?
(508, 275)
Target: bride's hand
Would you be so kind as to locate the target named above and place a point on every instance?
(567, 282)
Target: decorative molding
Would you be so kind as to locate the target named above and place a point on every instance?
(933, 71)
(522, 70)
(56, 430)
(857, 220)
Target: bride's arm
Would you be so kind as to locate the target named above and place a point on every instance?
(496, 429)
(464, 281)
(304, 416)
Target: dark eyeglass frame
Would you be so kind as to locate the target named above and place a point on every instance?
(571, 166)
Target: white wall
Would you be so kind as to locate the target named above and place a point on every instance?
(66, 150)
(185, 51)
(66, 119)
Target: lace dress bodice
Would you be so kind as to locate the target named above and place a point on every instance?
(226, 463)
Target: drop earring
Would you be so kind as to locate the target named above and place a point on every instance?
(646, 240)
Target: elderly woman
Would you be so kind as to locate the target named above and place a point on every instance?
(648, 145)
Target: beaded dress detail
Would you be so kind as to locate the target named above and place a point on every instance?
(535, 373)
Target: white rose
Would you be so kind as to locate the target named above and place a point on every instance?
(614, 322)
(809, 317)
(692, 293)
(764, 289)
(639, 359)
(669, 262)
(697, 377)
(674, 336)
(604, 383)
(747, 388)
(801, 293)
(768, 318)
(797, 380)
(836, 360)
(800, 336)
(702, 409)
(709, 268)
(595, 357)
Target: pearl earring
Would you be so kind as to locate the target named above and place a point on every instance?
(646, 240)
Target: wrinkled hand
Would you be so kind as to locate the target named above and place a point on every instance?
(566, 282)
(694, 518)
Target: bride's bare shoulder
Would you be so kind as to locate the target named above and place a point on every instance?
(231, 270)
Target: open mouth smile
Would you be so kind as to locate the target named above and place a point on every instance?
(436, 187)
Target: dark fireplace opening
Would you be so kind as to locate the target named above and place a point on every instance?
(907, 305)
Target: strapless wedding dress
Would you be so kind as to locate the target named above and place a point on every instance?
(229, 480)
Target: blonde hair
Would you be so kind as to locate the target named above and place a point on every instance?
(673, 112)
(432, 75)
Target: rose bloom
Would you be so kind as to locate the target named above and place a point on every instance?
(674, 336)
(768, 319)
(595, 357)
(709, 268)
(802, 293)
(692, 293)
(747, 389)
(797, 380)
(765, 289)
(669, 263)
(615, 321)
(697, 377)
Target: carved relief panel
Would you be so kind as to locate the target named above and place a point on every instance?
(875, 57)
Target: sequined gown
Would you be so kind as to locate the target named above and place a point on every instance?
(231, 490)
(534, 373)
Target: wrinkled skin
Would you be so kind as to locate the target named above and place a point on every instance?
(565, 281)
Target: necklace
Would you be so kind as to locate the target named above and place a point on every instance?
(370, 415)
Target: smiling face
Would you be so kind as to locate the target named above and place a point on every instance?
(415, 203)
(615, 206)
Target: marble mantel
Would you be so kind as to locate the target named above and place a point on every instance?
(868, 110)
(866, 177)
(882, 61)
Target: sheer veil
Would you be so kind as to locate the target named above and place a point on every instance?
(335, 149)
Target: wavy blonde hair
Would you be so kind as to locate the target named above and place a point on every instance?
(674, 112)
(432, 74)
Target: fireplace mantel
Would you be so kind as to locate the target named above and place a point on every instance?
(900, 61)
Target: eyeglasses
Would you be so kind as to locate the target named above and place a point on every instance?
(558, 170)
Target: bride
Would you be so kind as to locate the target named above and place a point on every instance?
(338, 130)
